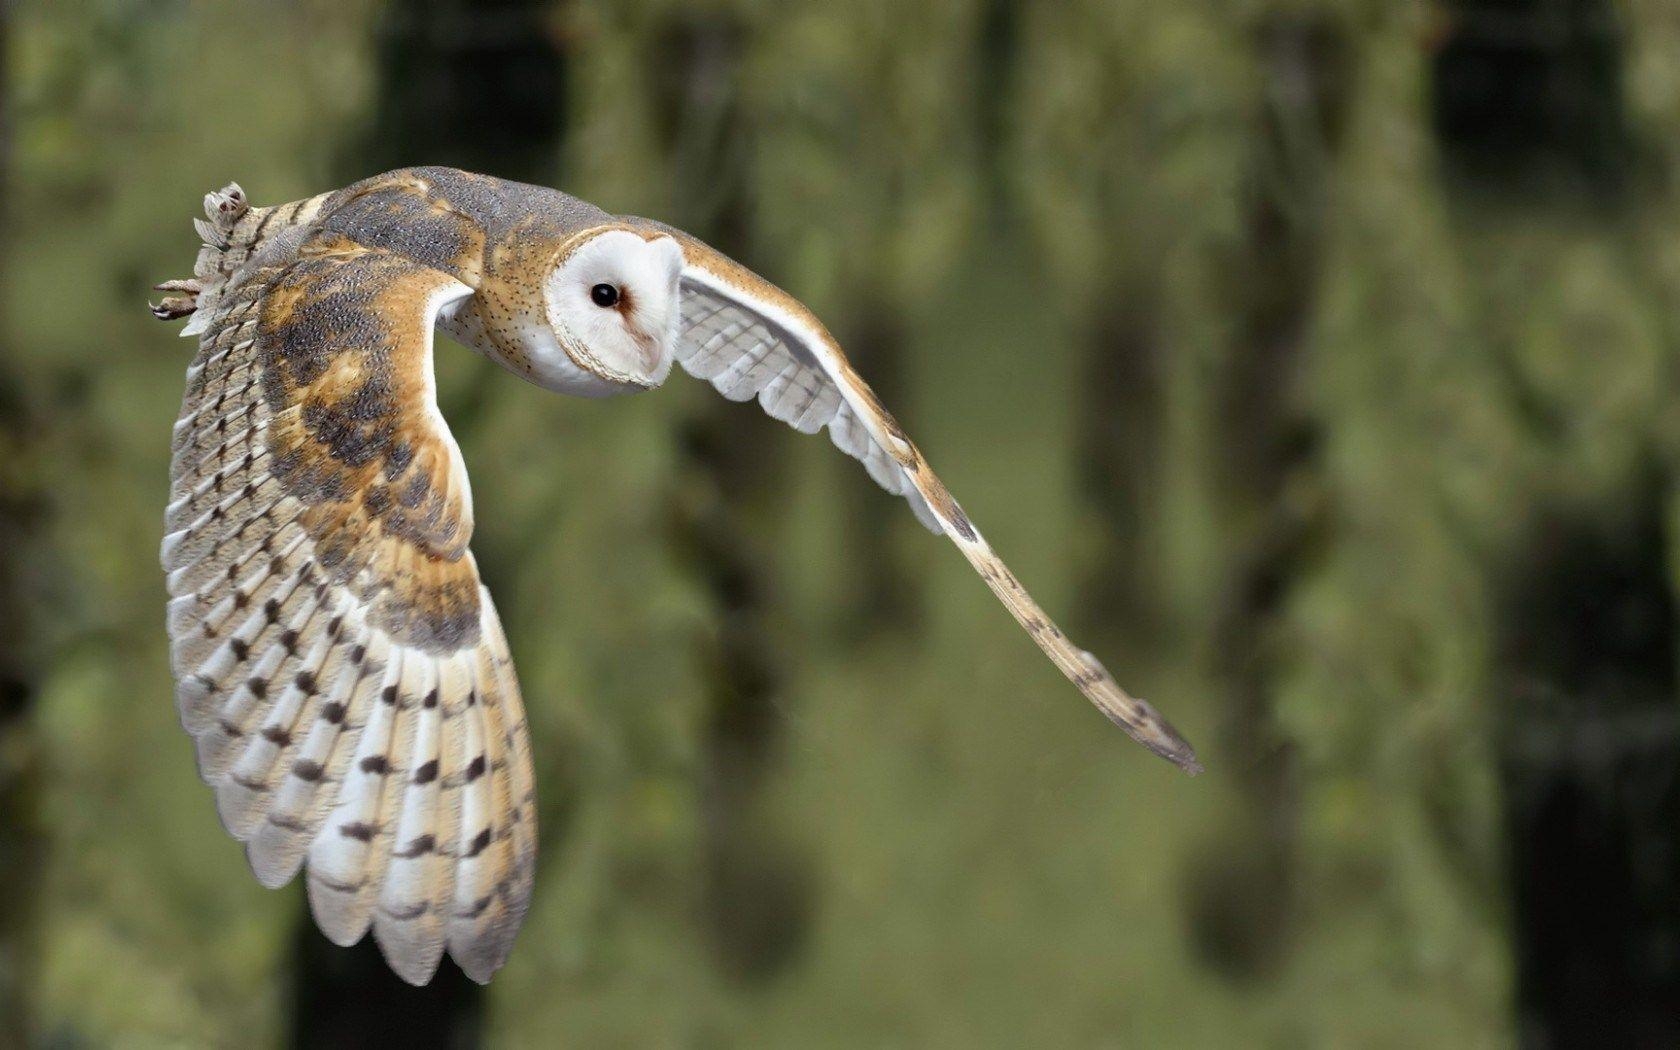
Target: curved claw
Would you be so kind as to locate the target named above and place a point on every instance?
(173, 308)
(176, 306)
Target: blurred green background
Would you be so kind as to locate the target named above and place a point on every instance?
(1313, 360)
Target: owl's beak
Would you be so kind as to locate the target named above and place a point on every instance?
(648, 350)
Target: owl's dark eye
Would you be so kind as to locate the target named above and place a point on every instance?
(604, 295)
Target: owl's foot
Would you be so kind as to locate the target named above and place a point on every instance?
(176, 306)
(223, 209)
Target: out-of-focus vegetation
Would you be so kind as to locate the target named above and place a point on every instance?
(1316, 358)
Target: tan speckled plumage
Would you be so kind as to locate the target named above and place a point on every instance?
(339, 665)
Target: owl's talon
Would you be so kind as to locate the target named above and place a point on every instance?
(174, 307)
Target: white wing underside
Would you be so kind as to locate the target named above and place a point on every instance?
(744, 356)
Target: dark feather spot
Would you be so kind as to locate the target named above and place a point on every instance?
(376, 764)
(358, 654)
(426, 773)
(475, 769)
(304, 769)
(397, 458)
(959, 521)
(431, 699)
(271, 609)
(479, 843)
(289, 639)
(333, 712)
(277, 735)
(389, 695)
(358, 830)
(257, 686)
(421, 845)
(305, 682)
(414, 491)
(241, 649)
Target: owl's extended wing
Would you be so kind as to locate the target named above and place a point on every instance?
(338, 662)
(750, 338)
(727, 338)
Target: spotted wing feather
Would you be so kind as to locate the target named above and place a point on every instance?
(339, 664)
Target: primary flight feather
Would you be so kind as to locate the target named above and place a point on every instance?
(339, 664)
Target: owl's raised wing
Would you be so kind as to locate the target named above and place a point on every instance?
(339, 664)
(750, 338)
(744, 353)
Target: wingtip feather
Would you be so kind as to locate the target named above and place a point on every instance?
(339, 913)
(412, 954)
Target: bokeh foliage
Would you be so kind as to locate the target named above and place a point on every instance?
(1359, 380)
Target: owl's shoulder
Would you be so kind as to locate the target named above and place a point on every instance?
(453, 220)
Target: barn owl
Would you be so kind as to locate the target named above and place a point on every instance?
(338, 663)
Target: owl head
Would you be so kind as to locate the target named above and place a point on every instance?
(595, 314)
(611, 301)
